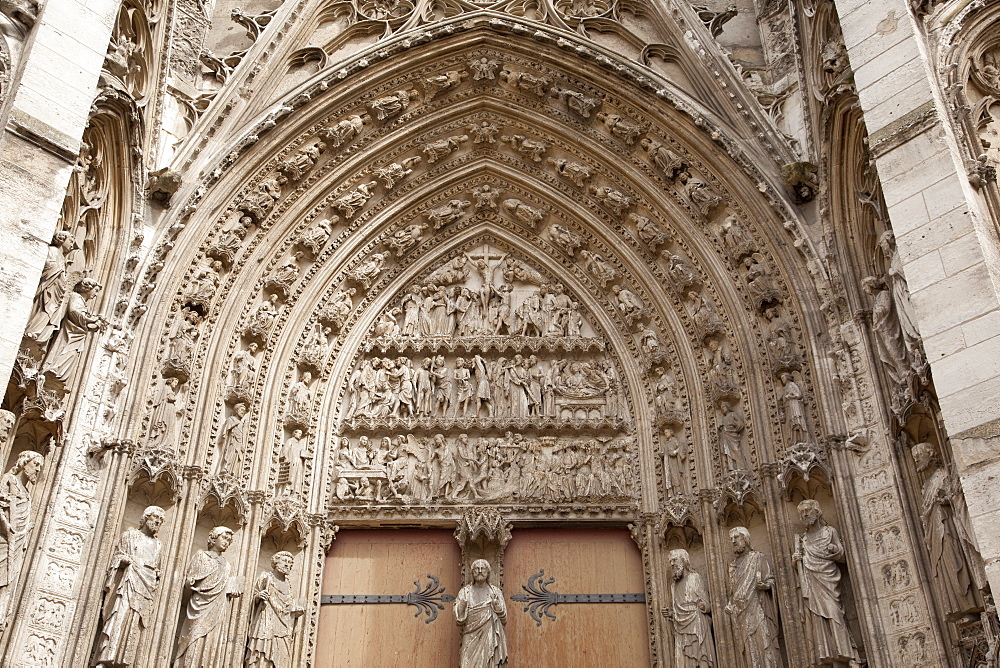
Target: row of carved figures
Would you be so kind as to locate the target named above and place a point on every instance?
(136, 568)
(752, 604)
(519, 387)
(437, 310)
(416, 470)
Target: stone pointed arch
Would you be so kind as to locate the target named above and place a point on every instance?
(249, 309)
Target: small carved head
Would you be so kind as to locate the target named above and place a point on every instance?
(480, 571)
(282, 562)
(30, 462)
(740, 536)
(152, 519)
(220, 539)
(679, 561)
(810, 512)
(924, 455)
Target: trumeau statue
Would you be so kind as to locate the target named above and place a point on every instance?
(273, 618)
(133, 577)
(15, 523)
(945, 531)
(690, 608)
(751, 579)
(481, 613)
(817, 552)
(202, 642)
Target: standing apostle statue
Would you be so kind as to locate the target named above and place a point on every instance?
(133, 577)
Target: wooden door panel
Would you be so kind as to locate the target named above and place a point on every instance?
(388, 635)
(584, 635)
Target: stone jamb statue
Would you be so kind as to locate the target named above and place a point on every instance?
(15, 523)
(133, 577)
(751, 577)
(817, 551)
(201, 641)
(481, 613)
(273, 617)
(693, 644)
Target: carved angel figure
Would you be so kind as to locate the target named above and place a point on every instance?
(484, 68)
(314, 238)
(133, 577)
(447, 214)
(628, 302)
(368, 271)
(395, 172)
(356, 199)
(483, 132)
(615, 200)
(296, 166)
(599, 268)
(440, 148)
(229, 455)
(529, 148)
(621, 127)
(571, 171)
(566, 239)
(525, 213)
(406, 238)
(651, 234)
(344, 130)
(392, 105)
(665, 160)
(485, 196)
(700, 194)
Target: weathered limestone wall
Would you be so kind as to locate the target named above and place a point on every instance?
(945, 238)
(63, 56)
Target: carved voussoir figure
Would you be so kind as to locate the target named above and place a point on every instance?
(693, 644)
(481, 613)
(202, 642)
(273, 618)
(817, 552)
(133, 577)
(15, 523)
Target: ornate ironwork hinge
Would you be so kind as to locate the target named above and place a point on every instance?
(540, 599)
(427, 599)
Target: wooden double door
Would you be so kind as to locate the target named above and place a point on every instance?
(378, 564)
